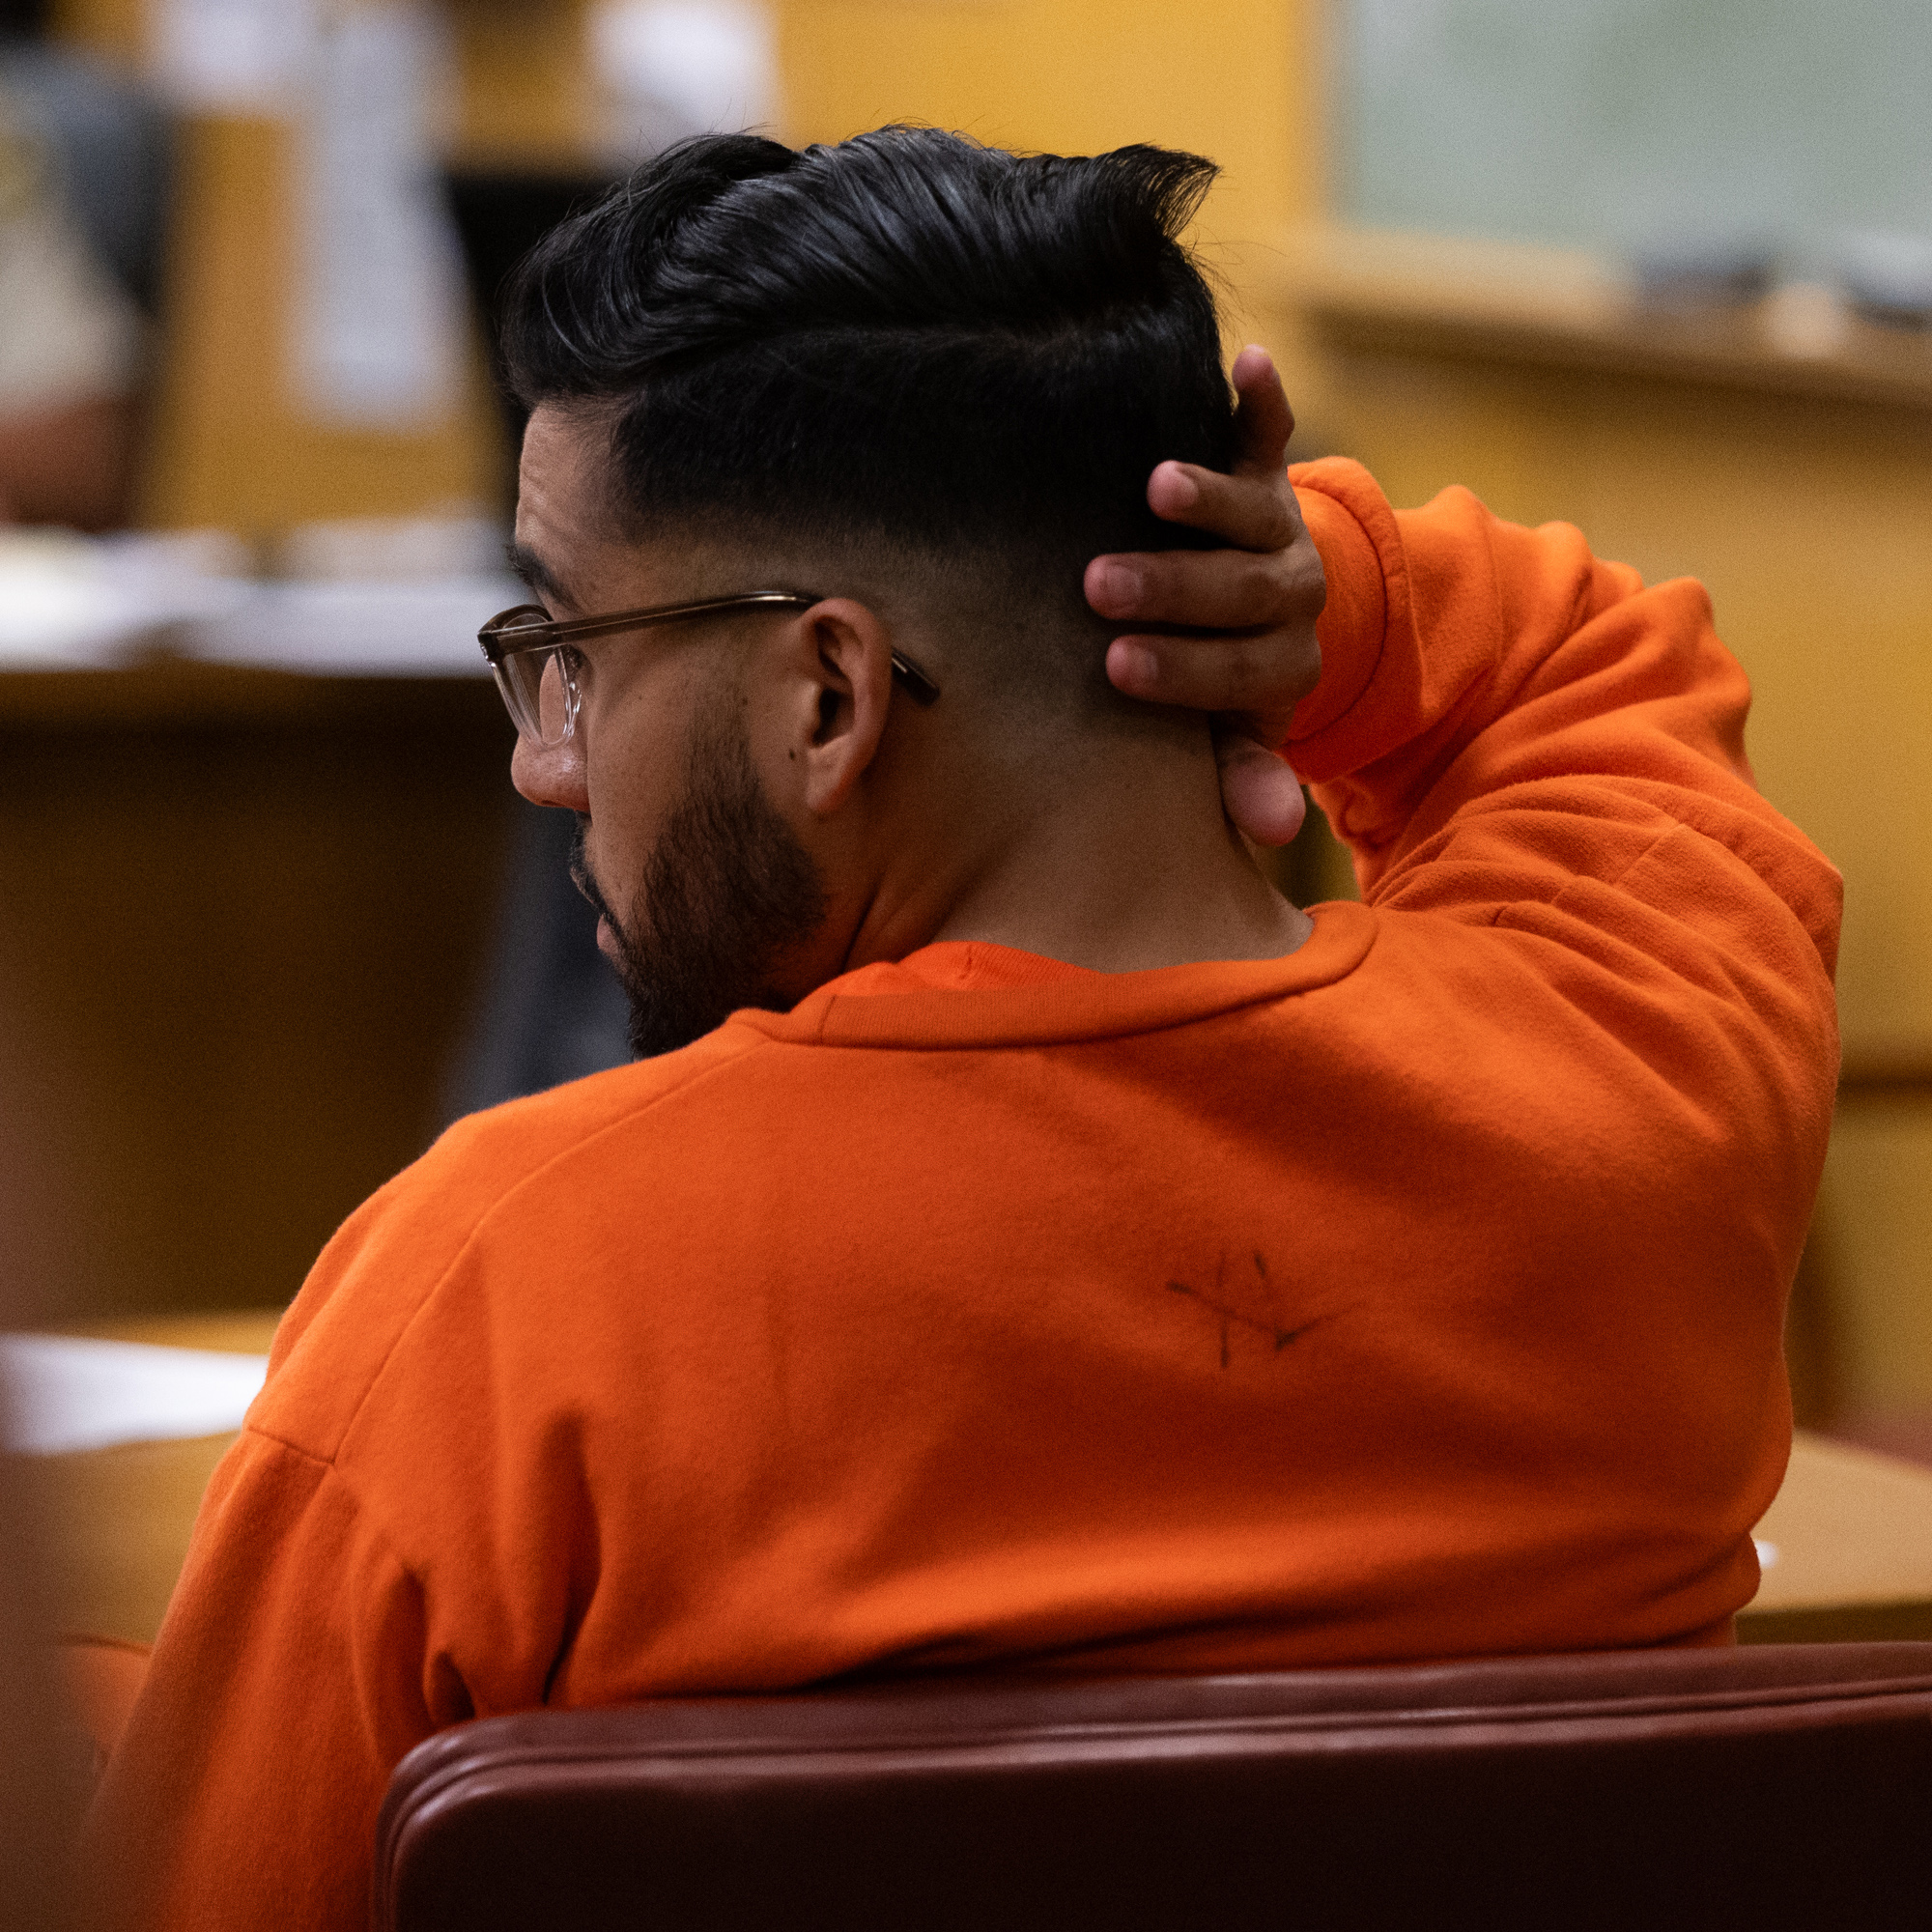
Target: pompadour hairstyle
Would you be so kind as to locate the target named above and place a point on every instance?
(904, 337)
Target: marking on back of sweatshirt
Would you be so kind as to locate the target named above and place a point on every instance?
(1219, 1303)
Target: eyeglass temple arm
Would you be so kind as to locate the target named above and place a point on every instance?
(919, 688)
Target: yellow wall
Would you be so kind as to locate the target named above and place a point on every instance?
(1232, 79)
(1875, 1226)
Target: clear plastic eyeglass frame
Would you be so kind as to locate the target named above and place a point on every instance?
(531, 657)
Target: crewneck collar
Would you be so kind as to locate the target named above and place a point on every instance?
(968, 993)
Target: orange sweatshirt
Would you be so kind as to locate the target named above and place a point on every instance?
(1416, 1295)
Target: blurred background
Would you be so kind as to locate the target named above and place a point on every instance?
(269, 913)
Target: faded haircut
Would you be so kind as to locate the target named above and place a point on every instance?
(905, 341)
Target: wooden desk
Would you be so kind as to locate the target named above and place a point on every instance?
(247, 917)
(117, 1521)
(1853, 1531)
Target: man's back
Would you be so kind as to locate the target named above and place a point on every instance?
(1415, 1295)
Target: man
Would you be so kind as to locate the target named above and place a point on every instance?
(68, 343)
(1069, 1255)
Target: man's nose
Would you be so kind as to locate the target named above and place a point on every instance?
(550, 774)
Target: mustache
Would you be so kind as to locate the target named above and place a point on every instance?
(584, 880)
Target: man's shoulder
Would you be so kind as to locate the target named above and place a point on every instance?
(489, 1155)
(389, 1258)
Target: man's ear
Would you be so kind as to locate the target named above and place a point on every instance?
(834, 690)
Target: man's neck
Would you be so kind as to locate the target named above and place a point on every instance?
(1128, 863)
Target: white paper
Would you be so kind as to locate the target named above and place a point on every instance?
(71, 602)
(231, 56)
(66, 1393)
(435, 548)
(359, 629)
(668, 69)
(379, 339)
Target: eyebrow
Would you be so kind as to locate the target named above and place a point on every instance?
(537, 576)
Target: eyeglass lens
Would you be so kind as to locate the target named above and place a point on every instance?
(540, 695)
(538, 689)
(555, 694)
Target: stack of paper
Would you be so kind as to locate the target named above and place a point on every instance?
(64, 1393)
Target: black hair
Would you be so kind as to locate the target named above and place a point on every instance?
(904, 338)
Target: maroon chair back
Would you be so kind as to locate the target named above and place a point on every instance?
(1786, 1786)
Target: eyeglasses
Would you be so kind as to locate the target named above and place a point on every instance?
(534, 658)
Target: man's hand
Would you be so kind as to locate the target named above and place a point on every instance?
(1259, 600)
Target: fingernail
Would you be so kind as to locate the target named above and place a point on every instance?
(1131, 666)
(1185, 492)
(1119, 585)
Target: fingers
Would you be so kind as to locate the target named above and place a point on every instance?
(1209, 589)
(1258, 791)
(1263, 419)
(1249, 511)
(1259, 675)
(1253, 506)
(1250, 606)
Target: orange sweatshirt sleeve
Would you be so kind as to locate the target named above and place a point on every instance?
(1501, 714)
(216, 1737)
(1513, 735)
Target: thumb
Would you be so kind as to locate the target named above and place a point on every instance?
(1262, 420)
(1258, 790)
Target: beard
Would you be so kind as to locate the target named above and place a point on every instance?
(725, 893)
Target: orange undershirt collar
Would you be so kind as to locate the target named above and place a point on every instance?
(972, 994)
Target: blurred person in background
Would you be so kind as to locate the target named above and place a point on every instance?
(79, 168)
